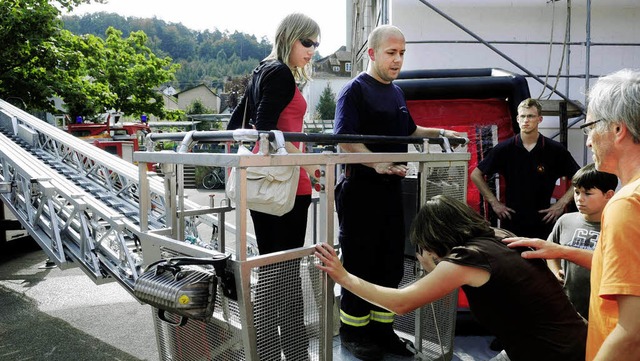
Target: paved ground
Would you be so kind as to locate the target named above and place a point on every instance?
(49, 314)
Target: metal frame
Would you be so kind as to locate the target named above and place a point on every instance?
(241, 264)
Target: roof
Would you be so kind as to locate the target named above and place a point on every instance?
(340, 55)
(177, 95)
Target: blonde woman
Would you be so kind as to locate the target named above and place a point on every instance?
(273, 101)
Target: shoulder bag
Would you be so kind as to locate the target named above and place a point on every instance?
(270, 190)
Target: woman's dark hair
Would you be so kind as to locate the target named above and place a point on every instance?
(444, 222)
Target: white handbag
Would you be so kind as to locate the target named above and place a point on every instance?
(270, 190)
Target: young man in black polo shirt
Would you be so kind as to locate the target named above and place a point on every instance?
(530, 164)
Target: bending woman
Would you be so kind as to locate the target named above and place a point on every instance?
(518, 300)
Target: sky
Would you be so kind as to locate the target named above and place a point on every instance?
(257, 17)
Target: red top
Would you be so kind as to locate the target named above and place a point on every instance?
(291, 120)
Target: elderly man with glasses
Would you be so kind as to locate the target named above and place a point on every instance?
(613, 125)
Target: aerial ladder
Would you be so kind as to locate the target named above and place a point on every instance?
(78, 202)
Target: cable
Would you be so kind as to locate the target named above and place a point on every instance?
(435, 323)
(564, 50)
(553, 23)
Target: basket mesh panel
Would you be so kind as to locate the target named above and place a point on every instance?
(437, 333)
(287, 307)
(286, 298)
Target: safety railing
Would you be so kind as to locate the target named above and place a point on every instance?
(240, 327)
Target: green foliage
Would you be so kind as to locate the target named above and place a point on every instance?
(88, 62)
(212, 73)
(207, 57)
(134, 73)
(114, 74)
(196, 107)
(326, 107)
(83, 94)
(173, 114)
(169, 145)
(40, 60)
(28, 56)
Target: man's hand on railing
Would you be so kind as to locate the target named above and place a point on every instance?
(390, 168)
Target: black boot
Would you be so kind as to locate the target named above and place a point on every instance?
(385, 336)
(358, 341)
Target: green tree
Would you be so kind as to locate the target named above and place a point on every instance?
(114, 74)
(83, 95)
(29, 55)
(207, 57)
(39, 60)
(326, 108)
(197, 107)
(133, 73)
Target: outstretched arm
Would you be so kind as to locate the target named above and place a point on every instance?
(551, 250)
(434, 133)
(445, 278)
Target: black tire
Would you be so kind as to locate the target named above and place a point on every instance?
(214, 180)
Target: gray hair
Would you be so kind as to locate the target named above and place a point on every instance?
(294, 27)
(380, 33)
(616, 98)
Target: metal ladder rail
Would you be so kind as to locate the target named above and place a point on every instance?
(88, 160)
(105, 185)
(114, 174)
(67, 222)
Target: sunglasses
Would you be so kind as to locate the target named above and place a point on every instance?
(307, 43)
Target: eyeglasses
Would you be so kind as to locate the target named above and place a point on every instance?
(587, 127)
(307, 43)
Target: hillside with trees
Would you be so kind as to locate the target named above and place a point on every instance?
(205, 57)
(88, 65)
(41, 62)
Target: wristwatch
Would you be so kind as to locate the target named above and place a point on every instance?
(442, 132)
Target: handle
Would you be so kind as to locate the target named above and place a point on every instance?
(161, 316)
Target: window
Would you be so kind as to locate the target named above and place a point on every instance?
(336, 68)
(347, 66)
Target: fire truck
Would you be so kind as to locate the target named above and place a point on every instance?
(113, 135)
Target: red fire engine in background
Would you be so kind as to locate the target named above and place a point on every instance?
(113, 135)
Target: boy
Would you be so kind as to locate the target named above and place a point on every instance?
(592, 191)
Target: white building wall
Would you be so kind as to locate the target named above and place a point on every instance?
(313, 90)
(612, 21)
